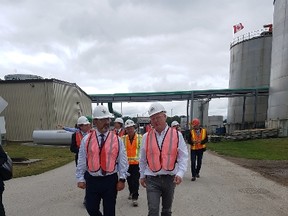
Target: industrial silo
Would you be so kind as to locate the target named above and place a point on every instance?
(200, 111)
(250, 62)
(278, 92)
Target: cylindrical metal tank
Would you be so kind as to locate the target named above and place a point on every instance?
(52, 137)
(278, 92)
(250, 62)
(200, 111)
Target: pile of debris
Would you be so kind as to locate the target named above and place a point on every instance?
(254, 134)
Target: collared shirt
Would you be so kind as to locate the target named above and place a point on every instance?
(122, 162)
(182, 157)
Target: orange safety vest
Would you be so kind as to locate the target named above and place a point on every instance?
(79, 137)
(133, 149)
(166, 157)
(121, 132)
(197, 138)
(104, 157)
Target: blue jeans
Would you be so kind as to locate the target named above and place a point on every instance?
(157, 187)
(196, 161)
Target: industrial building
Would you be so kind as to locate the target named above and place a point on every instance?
(41, 104)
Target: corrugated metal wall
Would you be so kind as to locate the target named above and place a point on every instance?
(70, 103)
(39, 104)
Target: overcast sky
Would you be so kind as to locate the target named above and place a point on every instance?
(123, 46)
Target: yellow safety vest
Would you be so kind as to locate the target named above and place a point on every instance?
(197, 138)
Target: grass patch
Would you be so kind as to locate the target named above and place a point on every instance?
(52, 157)
(261, 149)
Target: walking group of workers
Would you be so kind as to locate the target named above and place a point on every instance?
(105, 159)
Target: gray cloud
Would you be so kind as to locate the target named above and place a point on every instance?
(127, 46)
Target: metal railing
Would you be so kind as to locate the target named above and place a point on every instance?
(258, 33)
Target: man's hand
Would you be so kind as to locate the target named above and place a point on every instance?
(177, 180)
(81, 185)
(120, 185)
(143, 182)
(60, 126)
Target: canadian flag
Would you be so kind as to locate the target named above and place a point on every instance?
(238, 27)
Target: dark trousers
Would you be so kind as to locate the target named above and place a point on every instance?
(76, 159)
(196, 161)
(98, 188)
(133, 180)
(2, 211)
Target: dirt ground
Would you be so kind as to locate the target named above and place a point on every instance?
(274, 170)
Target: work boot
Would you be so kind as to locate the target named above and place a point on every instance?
(130, 197)
(197, 176)
(134, 203)
(193, 179)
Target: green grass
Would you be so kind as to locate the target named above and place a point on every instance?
(261, 149)
(51, 158)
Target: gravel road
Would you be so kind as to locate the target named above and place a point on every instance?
(224, 189)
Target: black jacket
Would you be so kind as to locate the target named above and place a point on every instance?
(3, 159)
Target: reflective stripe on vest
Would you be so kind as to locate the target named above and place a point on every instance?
(133, 149)
(166, 157)
(79, 137)
(104, 157)
(197, 138)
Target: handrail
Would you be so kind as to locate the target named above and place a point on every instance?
(258, 33)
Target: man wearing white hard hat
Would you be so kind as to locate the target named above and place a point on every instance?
(163, 162)
(84, 127)
(118, 127)
(102, 165)
(132, 142)
(175, 125)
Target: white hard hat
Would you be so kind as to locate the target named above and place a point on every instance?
(119, 120)
(174, 123)
(82, 120)
(156, 108)
(101, 112)
(129, 123)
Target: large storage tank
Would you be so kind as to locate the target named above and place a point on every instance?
(250, 62)
(278, 92)
(200, 111)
